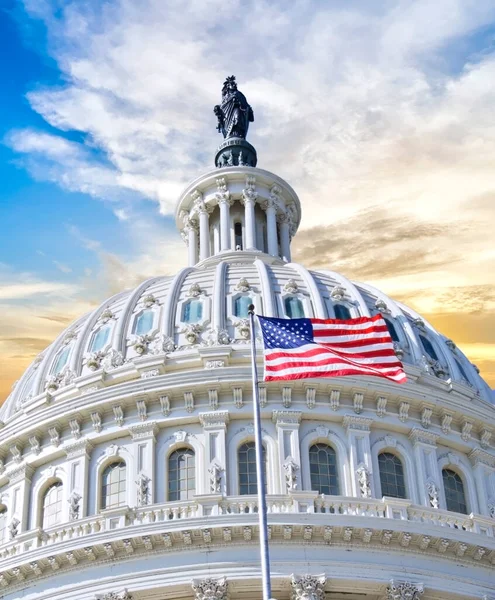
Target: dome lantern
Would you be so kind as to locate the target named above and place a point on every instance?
(237, 207)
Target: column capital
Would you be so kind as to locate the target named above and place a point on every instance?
(478, 456)
(223, 194)
(419, 436)
(143, 430)
(350, 422)
(249, 193)
(308, 587)
(217, 419)
(79, 448)
(404, 590)
(206, 589)
(19, 473)
(287, 417)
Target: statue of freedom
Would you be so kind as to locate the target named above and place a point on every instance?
(234, 113)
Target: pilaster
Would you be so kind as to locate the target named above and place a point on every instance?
(428, 473)
(143, 442)
(287, 423)
(215, 428)
(19, 489)
(360, 464)
(76, 493)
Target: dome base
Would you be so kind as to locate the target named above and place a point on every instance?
(236, 152)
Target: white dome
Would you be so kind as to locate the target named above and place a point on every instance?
(71, 366)
(126, 468)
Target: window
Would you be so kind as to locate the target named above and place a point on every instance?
(144, 322)
(100, 339)
(238, 236)
(341, 311)
(454, 491)
(181, 475)
(294, 308)
(61, 360)
(392, 330)
(3, 524)
(113, 485)
(428, 346)
(323, 469)
(248, 480)
(192, 311)
(52, 505)
(391, 475)
(241, 305)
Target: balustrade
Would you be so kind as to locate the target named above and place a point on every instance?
(219, 507)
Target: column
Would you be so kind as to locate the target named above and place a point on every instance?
(204, 232)
(215, 428)
(19, 490)
(484, 476)
(284, 237)
(358, 436)
(224, 205)
(143, 441)
(271, 227)
(192, 242)
(427, 471)
(249, 196)
(78, 456)
(287, 422)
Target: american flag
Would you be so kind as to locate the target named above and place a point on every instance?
(300, 348)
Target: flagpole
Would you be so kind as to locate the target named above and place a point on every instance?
(260, 471)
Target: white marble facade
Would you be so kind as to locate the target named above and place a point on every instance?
(125, 465)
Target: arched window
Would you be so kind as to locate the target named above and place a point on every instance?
(100, 338)
(238, 236)
(3, 524)
(52, 505)
(144, 322)
(392, 330)
(323, 469)
(181, 475)
(428, 346)
(391, 475)
(241, 305)
(113, 485)
(248, 479)
(61, 360)
(293, 308)
(192, 311)
(341, 312)
(454, 491)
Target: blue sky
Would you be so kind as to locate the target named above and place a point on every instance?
(381, 115)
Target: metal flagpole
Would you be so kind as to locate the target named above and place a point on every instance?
(263, 526)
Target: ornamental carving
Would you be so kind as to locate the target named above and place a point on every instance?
(243, 285)
(381, 306)
(62, 379)
(143, 489)
(364, 481)
(432, 491)
(210, 589)
(338, 293)
(291, 468)
(291, 286)
(404, 590)
(149, 300)
(194, 291)
(113, 359)
(249, 193)
(243, 329)
(162, 344)
(124, 595)
(74, 506)
(93, 361)
(106, 315)
(14, 528)
(217, 337)
(215, 472)
(140, 343)
(308, 587)
(192, 332)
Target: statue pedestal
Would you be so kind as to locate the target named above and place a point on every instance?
(235, 152)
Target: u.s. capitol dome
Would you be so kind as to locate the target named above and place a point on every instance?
(127, 448)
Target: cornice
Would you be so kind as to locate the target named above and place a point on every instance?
(420, 436)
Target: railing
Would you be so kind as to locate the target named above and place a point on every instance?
(226, 507)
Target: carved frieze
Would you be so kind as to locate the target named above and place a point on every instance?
(308, 587)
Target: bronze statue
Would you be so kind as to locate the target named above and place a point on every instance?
(234, 113)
